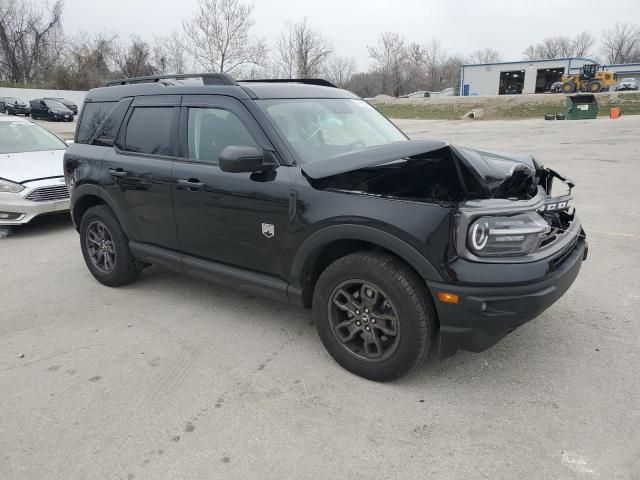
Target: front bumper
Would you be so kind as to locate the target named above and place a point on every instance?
(20, 210)
(61, 116)
(486, 314)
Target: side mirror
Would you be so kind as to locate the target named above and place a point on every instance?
(238, 159)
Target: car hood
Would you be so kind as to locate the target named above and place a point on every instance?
(22, 167)
(499, 174)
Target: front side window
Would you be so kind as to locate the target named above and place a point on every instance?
(211, 130)
(93, 114)
(149, 130)
(322, 128)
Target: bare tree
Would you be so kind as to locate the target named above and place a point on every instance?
(170, 55)
(582, 44)
(134, 60)
(218, 36)
(621, 44)
(339, 70)
(486, 55)
(436, 58)
(302, 51)
(560, 47)
(30, 39)
(390, 55)
(89, 61)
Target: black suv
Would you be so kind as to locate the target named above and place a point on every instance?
(304, 193)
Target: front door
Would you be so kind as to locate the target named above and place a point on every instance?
(239, 219)
(138, 170)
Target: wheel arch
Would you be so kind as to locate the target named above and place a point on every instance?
(330, 243)
(86, 196)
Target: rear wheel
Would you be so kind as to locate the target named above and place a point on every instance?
(374, 315)
(105, 248)
(568, 87)
(594, 86)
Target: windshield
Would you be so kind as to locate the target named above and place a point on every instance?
(321, 128)
(27, 137)
(54, 104)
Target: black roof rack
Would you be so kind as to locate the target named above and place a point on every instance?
(309, 81)
(207, 79)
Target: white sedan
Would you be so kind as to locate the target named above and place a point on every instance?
(31, 175)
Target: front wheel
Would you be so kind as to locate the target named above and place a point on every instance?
(595, 86)
(374, 315)
(105, 248)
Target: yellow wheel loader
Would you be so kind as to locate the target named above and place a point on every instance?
(590, 79)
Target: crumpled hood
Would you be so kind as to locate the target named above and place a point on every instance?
(499, 174)
(25, 166)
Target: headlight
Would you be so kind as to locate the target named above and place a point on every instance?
(9, 187)
(518, 235)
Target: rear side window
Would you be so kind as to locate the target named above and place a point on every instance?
(93, 114)
(149, 130)
(109, 129)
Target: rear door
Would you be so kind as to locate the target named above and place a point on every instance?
(38, 108)
(239, 219)
(138, 170)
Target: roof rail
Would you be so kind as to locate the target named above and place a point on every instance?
(309, 81)
(207, 79)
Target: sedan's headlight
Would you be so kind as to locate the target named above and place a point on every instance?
(10, 187)
(517, 235)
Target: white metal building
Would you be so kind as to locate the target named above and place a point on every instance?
(527, 76)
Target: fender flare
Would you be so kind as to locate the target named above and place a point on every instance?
(326, 235)
(89, 189)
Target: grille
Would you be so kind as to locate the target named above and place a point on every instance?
(47, 194)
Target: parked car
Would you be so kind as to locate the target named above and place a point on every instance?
(627, 84)
(556, 87)
(50, 110)
(67, 103)
(14, 106)
(304, 193)
(31, 177)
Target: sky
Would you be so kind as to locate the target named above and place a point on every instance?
(462, 26)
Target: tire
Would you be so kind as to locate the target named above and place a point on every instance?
(123, 268)
(568, 87)
(400, 294)
(560, 116)
(594, 86)
(549, 117)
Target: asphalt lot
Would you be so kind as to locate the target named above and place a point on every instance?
(172, 377)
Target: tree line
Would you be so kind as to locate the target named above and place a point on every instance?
(36, 51)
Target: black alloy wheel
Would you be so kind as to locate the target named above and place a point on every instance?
(100, 246)
(364, 320)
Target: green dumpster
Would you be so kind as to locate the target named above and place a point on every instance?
(581, 106)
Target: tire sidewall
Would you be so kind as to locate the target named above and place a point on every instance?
(120, 243)
(410, 310)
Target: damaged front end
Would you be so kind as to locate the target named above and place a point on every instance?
(504, 206)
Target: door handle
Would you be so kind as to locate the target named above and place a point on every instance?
(191, 184)
(118, 172)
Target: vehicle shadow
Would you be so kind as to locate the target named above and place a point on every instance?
(43, 225)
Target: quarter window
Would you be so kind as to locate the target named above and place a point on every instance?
(93, 114)
(149, 130)
(213, 129)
